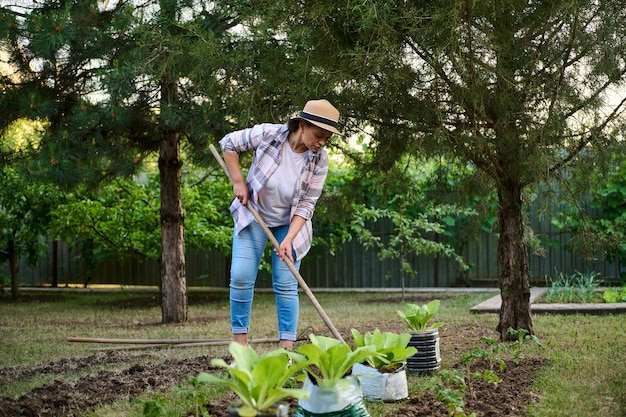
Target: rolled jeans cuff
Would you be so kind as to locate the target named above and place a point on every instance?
(239, 330)
(292, 336)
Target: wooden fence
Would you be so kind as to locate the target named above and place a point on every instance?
(351, 267)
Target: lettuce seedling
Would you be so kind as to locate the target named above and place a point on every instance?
(418, 317)
(392, 348)
(260, 381)
(330, 360)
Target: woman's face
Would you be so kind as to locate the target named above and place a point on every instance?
(314, 137)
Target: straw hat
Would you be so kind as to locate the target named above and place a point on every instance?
(322, 114)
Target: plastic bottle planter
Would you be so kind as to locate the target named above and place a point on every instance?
(279, 410)
(345, 399)
(427, 359)
(381, 386)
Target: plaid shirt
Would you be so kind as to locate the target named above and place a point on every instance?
(266, 140)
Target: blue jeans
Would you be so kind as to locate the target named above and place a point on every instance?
(248, 249)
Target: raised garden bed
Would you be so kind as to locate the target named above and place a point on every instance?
(492, 305)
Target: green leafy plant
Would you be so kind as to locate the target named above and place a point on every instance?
(193, 392)
(576, 288)
(491, 353)
(392, 347)
(612, 295)
(488, 375)
(330, 360)
(418, 317)
(521, 338)
(154, 407)
(449, 387)
(260, 381)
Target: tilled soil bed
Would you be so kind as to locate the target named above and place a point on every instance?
(134, 377)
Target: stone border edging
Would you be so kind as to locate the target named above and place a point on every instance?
(493, 304)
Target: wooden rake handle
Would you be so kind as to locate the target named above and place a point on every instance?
(290, 264)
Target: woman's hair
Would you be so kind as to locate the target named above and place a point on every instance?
(293, 124)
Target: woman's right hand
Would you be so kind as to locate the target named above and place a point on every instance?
(240, 188)
(241, 192)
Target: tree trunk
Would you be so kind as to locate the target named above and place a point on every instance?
(173, 281)
(514, 276)
(14, 266)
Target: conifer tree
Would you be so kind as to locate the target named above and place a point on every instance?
(517, 89)
(108, 101)
(118, 81)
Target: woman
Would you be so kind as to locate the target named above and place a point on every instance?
(285, 180)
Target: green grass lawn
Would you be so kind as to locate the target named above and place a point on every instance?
(584, 375)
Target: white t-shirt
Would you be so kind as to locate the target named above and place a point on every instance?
(276, 196)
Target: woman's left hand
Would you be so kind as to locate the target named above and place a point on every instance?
(285, 249)
(286, 246)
